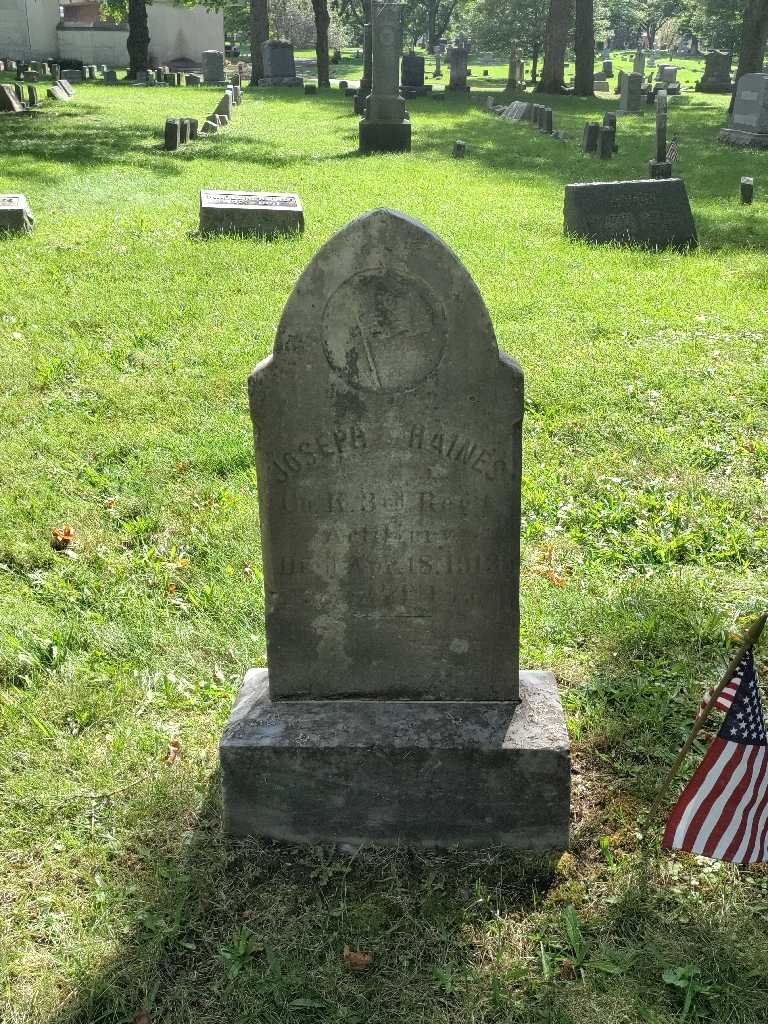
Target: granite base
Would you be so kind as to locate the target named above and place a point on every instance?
(422, 773)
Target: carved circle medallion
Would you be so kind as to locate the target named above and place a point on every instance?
(383, 331)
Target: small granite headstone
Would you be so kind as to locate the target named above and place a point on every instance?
(748, 125)
(33, 98)
(57, 93)
(15, 214)
(65, 85)
(650, 212)
(457, 57)
(638, 63)
(608, 68)
(747, 187)
(9, 101)
(717, 73)
(590, 137)
(213, 67)
(631, 101)
(388, 444)
(605, 139)
(194, 80)
(73, 75)
(459, 149)
(279, 63)
(183, 130)
(309, 89)
(172, 133)
(250, 213)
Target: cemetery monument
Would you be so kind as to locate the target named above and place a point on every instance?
(748, 125)
(717, 73)
(388, 431)
(386, 126)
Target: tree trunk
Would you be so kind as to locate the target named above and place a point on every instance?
(535, 62)
(555, 41)
(138, 37)
(753, 36)
(584, 45)
(322, 20)
(259, 35)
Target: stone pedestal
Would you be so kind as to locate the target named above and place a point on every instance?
(749, 121)
(659, 169)
(386, 126)
(424, 773)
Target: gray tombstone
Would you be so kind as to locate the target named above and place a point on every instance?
(638, 63)
(660, 167)
(183, 130)
(605, 137)
(650, 212)
(65, 85)
(110, 76)
(459, 149)
(279, 63)
(590, 137)
(224, 106)
(748, 125)
(172, 133)
(9, 101)
(386, 126)
(412, 71)
(717, 73)
(438, 72)
(546, 124)
(33, 98)
(388, 451)
(15, 214)
(193, 128)
(55, 71)
(194, 80)
(631, 101)
(747, 190)
(57, 93)
(213, 67)
(608, 68)
(457, 58)
(666, 73)
(267, 214)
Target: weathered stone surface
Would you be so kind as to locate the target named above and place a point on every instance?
(224, 106)
(666, 73)
(608, 68)
(647, 212)
(388, 433)
(457, 58)
(590, 137)
(385, 126)
(412, 70)
(64, 83)
(279, 64)
(193, 128)
(73, 75)
(110, 77)
(717, 73)
(638, 63)
(424, 773)
(459, 149)
(9, 101)
(194, 80)
(15, 214)
(747, 189)
(57, 93)
(213, 67)
(250, 213)
(631, 94)
(172, 133)
(184, 127)
(605, 137)
(749, 121)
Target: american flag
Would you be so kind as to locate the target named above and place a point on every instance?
(723, 811)
(672, 151)
(725, 698)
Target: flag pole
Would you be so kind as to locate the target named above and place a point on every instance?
(749, 639)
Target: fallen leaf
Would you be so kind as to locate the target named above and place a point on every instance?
(554, 577)
(356, 961)
(174, 751)
(171, 588)
(142, 1018)
(62, 537)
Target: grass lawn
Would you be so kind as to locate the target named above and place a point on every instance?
(125, 341)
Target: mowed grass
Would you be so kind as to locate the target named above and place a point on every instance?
(125, 342)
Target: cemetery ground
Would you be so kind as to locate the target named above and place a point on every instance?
(125, 342)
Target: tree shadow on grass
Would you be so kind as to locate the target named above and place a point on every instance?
(243, 931)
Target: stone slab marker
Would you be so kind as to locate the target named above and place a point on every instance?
(250, 213)
(749, 121)
(717, 72)
(388, 448)
(650, 212)
(386, 126)
(15, 214)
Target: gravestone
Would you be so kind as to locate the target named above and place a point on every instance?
(250, 213)
(110, 77)
(224, 106)
(193, 128)
(65, 85)
(55, 71)
(388, 449)
(172, 133)
(31, 76)
(365, 82)
(15, 214)
(747, 189)
(717, 73)
(194, 80)
(57, 93)
(660, 167)
(608, 68)
(386, 126)
(605, 137)
(602, 86)
(650, 212)
(412, 71)
(546, 121)
(279, 63)
(666, 73)
(631, 101)
(748, 125)
(18, 88)
(638, 63)
(33, 98)
(610, 120)
(142, 77)
(590, 137)
(73, 75)
(457, 57)
(438, 72)
(213, 67)
(9, 101)
(459, 149)
(309, 89)
(183, 130)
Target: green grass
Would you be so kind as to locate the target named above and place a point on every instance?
(125, 342)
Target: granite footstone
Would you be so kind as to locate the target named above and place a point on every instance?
(250, 213)
(649, 212)
(15, 214)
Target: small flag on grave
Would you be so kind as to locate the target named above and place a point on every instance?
(672, 151)
(723, 811)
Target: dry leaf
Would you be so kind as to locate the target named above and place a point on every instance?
(554, 577)
(142, 1018)
(357, 961)
(171, 588)
(174, 751)
(62, 537)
